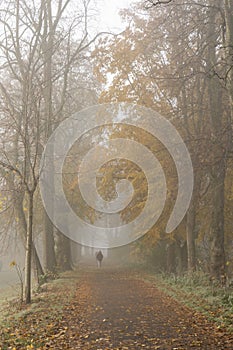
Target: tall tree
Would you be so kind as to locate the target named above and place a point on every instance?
(171, 61)
(40, 48)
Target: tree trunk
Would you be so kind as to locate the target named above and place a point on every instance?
(217, 169)
(191, 248)
(191, 223)
(229, 56)
(49, 245)
(63, 253)
(171, 258)
(181, 253)
(217, 256)
(37, 267)
(76, 253)
(29, 250)
(18, 207)
(229, 46)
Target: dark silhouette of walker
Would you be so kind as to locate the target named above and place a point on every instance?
(99, 258)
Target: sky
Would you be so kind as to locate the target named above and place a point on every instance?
(110, 19)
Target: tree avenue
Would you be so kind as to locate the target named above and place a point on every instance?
(177, 59)
(174, 58)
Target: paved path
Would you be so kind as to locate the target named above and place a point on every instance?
(118, 310)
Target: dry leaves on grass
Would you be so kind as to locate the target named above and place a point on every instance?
(113, 309)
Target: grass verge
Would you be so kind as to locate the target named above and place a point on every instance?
(195, 291)
(21, 324)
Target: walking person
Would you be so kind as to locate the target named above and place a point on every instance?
(99, 258)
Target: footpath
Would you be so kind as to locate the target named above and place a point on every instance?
(111, 309)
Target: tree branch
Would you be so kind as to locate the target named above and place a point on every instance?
(152, 3)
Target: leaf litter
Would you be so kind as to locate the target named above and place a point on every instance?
(110, 309)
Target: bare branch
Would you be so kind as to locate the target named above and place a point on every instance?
(152, 3)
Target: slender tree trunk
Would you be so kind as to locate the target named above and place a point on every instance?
(37, 267)
(29, 250)
(229, 56)
(49, 243)
(191, 225)
(217, 169)
(229, 46)
(190, 230)
(18, 206)
(217, 256)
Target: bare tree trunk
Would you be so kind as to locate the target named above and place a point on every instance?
(171, 257)
(181, 253)
(217, 256)
(49, 245)
(18, 206)
(64, 259)
(217, 170)
(191, 225)
(191, 247)
(37, 267)
(229, 55)
(29, 250)
(229, 46)
(76, 249)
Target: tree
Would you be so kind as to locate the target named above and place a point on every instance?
(217, 122)
(171, 61)
(40, 48)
